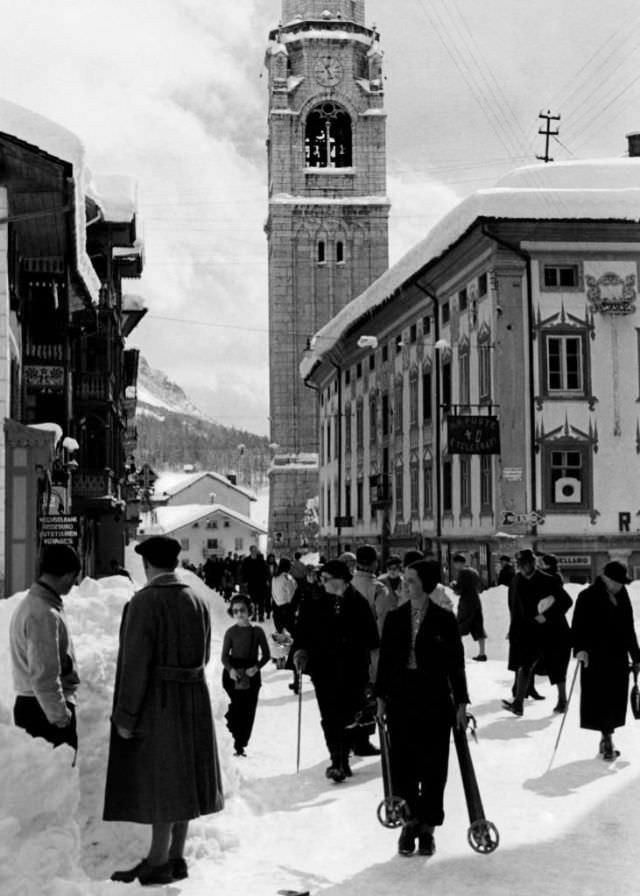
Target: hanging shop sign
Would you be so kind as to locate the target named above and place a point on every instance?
(44, 377)
(59, 528)
(473, 434)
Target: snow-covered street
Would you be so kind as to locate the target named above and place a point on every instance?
(568, 830)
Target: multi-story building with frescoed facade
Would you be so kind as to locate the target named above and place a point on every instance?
(517, 315)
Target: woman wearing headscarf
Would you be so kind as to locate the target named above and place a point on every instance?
(604, 639)
(422, 690)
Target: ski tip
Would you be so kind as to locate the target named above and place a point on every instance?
(293, 892)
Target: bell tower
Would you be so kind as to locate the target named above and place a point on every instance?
(327, 227)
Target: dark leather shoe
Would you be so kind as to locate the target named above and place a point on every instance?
(155, 874)
(336, 774)
(128, 877)
(179, 869)
(426, 843)
(560, 707)
(535, 695)
(366, 749)
(481, 658)
(407, 839)
(514, 706)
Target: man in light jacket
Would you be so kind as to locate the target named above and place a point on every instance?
(45, 676)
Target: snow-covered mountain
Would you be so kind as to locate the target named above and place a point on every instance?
(156, 392)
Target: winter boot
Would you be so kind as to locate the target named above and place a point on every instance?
(336, 772)
(607, 750)
(407, 839)
(179, 868)
(426, 843)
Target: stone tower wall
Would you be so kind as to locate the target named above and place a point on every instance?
(309, 206)
(353, 10)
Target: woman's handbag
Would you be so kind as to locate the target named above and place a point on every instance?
(634, 698)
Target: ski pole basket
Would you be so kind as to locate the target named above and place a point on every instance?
(392, 811)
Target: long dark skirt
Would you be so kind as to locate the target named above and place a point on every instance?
(419, 739)
(242, 708)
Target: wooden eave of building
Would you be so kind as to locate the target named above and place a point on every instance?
(130, 319)
(41, 203)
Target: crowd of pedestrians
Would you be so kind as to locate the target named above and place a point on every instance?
(373, 642)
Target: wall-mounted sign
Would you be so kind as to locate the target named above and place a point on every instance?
(612, 294)
(574, 559)
(512, 474)
(44, 377)
(473, 434)
(59, 528)
(511, 518)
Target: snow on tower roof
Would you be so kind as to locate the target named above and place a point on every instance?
(29, 127)
(588, 190)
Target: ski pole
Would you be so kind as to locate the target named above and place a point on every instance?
(299, 673)
(564, 717)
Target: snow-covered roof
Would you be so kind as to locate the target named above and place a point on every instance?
(46, 135)
(171, 484)
(129, 251)
(170, 519)
(598, 189)
(116, 195)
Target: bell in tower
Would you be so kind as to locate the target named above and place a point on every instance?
(328, 218)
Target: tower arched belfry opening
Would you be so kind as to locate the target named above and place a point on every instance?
(328, 139)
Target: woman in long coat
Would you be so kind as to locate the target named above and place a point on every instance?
(163, 762)
(604, 639)
(422, 690)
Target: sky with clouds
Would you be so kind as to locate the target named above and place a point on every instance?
(170, 92)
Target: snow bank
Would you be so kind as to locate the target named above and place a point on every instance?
(52, 838)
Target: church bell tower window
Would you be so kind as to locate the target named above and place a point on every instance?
(328, 141)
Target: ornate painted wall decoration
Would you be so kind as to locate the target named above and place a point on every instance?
(612, 294)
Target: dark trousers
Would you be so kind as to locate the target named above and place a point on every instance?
(338, 702)
(28, 714)
(419, 740)
(281, 617)
(258, 599)
(242, 709)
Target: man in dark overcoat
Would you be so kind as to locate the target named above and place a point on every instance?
(336, 643)
(538, 604)
(604, 639)
(163, 762)
(254, 578)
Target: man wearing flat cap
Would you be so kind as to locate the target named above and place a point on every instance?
(163, 765)
(336, 643)
(604, 640)
(538, 604)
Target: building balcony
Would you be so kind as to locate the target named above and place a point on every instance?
(93, 387)
(92, 484)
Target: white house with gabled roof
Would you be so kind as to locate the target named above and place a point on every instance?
(204, 487)
(203, 531)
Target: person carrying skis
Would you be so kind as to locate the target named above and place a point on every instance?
(604, 638)
(420, 667)
(336, 643)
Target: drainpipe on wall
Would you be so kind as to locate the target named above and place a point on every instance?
(532, 414)
(437, 448)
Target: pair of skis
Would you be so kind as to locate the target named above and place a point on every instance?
(482, 835)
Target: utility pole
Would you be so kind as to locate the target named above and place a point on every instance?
(547, 133)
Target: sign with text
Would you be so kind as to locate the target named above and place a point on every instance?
(473, 434)
(512, 474)
(60, 528)
(511, 518)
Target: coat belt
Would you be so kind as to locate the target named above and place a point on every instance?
(182, 674)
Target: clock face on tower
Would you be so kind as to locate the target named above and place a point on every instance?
(328, 71)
